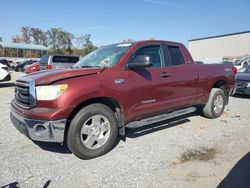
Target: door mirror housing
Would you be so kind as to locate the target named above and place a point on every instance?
(140, 61)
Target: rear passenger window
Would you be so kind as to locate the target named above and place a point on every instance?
(175, 55)
(65, 59)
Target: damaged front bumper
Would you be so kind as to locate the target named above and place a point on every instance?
(40, 130)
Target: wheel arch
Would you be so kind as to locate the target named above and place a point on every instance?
(108, 101)
(222, 84)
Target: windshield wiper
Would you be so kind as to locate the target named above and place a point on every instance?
(92, 66)
(87, 66)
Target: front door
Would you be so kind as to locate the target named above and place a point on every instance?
(148, 86)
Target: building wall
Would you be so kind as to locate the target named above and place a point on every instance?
(214, 49)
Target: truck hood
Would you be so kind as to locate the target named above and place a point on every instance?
(243, 76)
(50, 76)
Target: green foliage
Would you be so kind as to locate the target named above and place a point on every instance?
(1, 40)
(58, 40)
(39, 37)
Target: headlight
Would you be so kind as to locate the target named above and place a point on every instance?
(50, 92)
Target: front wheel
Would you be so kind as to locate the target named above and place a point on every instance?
(216, 104)
(92, 132)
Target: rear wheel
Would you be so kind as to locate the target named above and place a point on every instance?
(92, 132)
(216, 104)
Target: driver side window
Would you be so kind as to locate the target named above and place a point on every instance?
(154, 52)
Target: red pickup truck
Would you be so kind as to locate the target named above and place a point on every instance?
(88, 105)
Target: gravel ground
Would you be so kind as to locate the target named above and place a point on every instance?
(191, 151)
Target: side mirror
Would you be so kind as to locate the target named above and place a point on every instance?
(140, 61)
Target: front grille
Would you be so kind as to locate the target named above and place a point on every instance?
(24, 95)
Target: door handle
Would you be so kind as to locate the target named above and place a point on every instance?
(165, 74)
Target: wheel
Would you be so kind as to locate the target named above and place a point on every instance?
(92, 132)
(216, 104)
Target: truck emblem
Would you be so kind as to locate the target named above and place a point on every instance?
(149, 101)
(119, 81)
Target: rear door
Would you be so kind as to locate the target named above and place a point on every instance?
(182, 77)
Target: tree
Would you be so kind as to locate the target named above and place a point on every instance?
(84, 45)
(24, 38)
(17, 39)
(26, 34)
(60, 40)
(53, 38)
(39, 37)
(67, 39)
(79, 42)
(1, 40)
(88, 45)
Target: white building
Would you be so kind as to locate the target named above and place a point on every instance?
(213, 49)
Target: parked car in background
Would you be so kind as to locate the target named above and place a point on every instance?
(34, 67)
(5, 62)
(8, 63)
(227, 62)
(243, 81)
(4, 73)
(57, 61)
(242, 63)
(20, 67)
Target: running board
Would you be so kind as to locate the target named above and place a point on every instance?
(162, 117)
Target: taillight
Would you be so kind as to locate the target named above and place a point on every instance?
(234, 69)
(49, 67)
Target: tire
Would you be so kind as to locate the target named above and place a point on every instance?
(216, 104)
(92, 132)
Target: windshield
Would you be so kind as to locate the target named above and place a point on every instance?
(106, 56)
(44, 59)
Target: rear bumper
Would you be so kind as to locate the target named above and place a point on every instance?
(39, 130)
